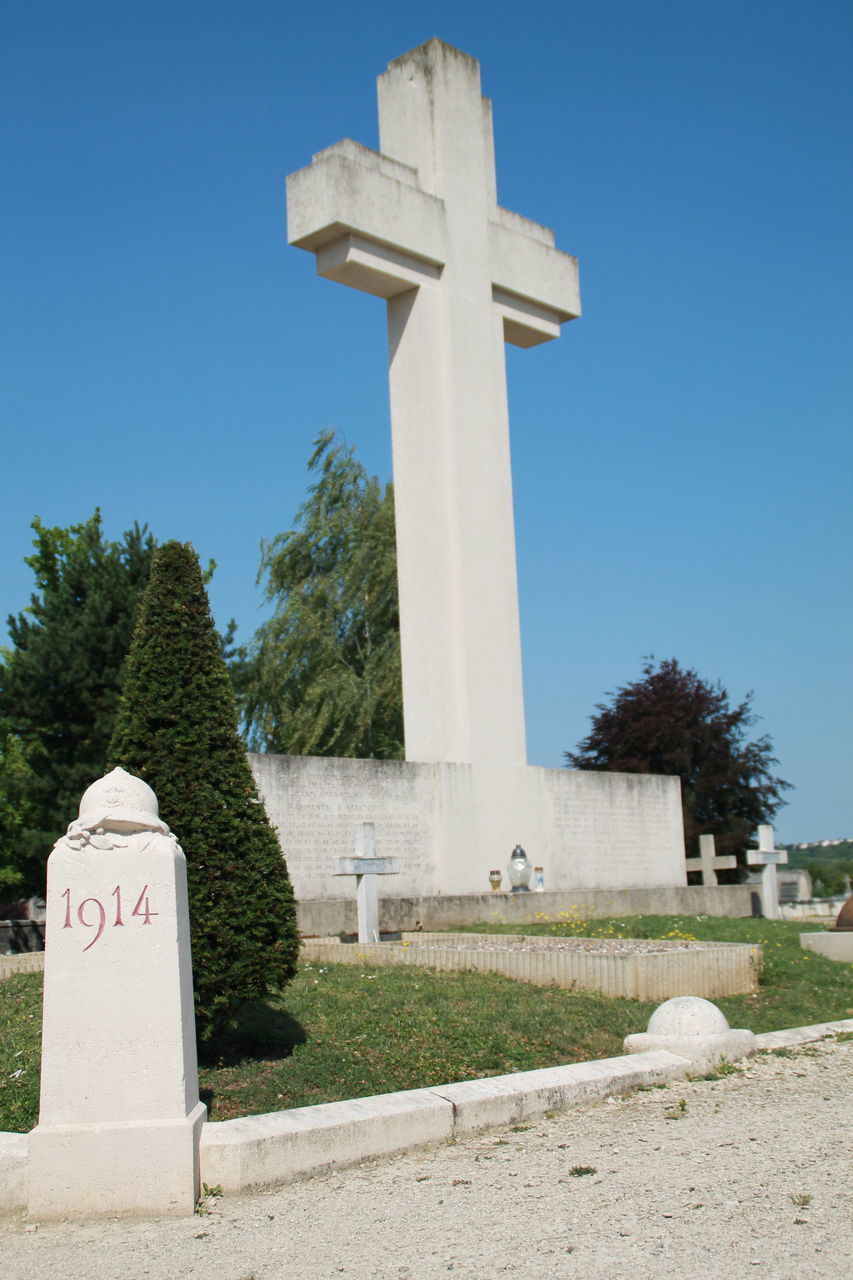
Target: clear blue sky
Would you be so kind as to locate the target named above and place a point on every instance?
(681, 456)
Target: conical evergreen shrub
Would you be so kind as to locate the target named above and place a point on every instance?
(177, 728)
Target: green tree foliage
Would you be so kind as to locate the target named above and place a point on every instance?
(15, 782)
(829, 864)
(61, 678)
(324, 673)
(672, 722)
(177, 728)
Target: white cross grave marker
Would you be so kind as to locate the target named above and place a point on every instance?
(768, 857)
(419, 225)
(365, 867)
(708, 862)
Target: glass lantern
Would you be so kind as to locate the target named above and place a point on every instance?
(520, 870)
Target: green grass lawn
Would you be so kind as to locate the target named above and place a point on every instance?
(797, 987)
(339, 1031)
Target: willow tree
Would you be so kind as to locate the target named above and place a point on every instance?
(324, 670)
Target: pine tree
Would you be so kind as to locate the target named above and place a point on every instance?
(324, 672)
(60, 681)
(672, 722)
(177, 728)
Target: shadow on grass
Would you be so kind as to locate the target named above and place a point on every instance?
(262, 1031)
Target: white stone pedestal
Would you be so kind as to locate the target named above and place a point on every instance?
(120, 1117)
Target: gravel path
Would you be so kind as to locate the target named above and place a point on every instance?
(747, 1176)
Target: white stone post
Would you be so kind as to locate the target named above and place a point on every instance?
(768, 857)
(120, 1117)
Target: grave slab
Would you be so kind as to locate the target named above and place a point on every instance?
(650, 969)
(835, 946)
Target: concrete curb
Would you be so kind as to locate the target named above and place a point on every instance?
(268, 1150)
(802, 1035)
(276, 1148)
(27, 962)
(262, 1151)
(528, 1095)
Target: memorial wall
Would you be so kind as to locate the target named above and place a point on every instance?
(449, 825)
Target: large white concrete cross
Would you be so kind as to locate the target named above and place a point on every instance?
(419, 224)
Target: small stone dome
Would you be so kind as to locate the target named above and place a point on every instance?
(844, 919)
(687, 1016)
(119, 797)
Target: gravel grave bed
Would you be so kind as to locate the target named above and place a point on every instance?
(521, 942)
(638, 968)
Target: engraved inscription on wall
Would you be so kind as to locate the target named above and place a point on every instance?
(617, 829)
(315, 806)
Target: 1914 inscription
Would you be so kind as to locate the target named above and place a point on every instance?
(91, 912)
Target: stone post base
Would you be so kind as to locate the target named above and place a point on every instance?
(105, 1170)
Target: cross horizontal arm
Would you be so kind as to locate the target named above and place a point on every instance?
(349, 188)
(367, 867)
(374, 228)
(535, 286)
(373, 267)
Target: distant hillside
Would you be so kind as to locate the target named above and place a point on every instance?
(827, 861)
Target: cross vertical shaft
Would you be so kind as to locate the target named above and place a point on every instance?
(419, 225)
(456, 431)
